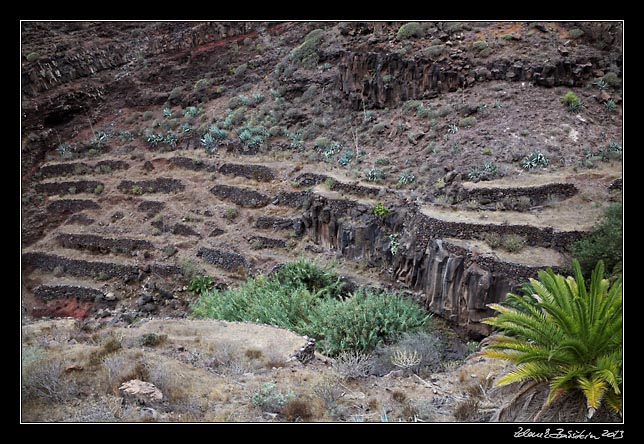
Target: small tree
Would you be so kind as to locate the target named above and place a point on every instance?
(603, 243)
(565, 336)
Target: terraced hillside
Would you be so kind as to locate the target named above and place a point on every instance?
(439, 161)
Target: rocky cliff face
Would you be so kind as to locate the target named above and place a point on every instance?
(380, 80)
(172, 38)
(451, 281)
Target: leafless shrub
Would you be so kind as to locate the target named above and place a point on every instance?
(329, 391)
(43, 378)
(113, 368)
(107, 409)
(353, 365)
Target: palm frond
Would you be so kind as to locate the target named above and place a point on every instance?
(614, 402)
(535, 371)
(593, 388)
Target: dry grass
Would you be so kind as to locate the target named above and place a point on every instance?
(398, 396)
(466, 410)
(298, 410)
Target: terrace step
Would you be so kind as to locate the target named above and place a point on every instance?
(312, 179)
(262, 242)
(191, 164)
(102, 245)
(533, 195)
(71, 206)
(81, 168)
(243, 197)
(51, 292)
(94, 269)
(259, 173)
(68, 187)
(227, 260)
(158, 185)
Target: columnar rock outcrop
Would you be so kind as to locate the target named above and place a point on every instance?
(379, 79)
(451, 281)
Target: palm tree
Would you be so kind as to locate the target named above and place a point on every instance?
(563, 335)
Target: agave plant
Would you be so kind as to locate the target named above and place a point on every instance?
(564, 335)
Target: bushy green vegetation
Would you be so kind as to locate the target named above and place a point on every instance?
(380, 210)
(202, 84)
(571, 102)
(304, 297)
(612, 79)
(566, 335)
(603, 243)
(307, 52)
(408, 30)
(375, 175)
(535, 160)
(489, 170)
(269, 399)
(364, 320)
(406, 177)
(575, 33)
(200, 284)
(467, 122)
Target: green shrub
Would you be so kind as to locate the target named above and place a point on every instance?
(202, 84)
(303, 297)
(492, 239)
(175, 93)
(307, 52)
(603, 243)
(99, 188)
(322, 280)
(411, 106)
(200, 284)
(240, 70)
(380, 210)
(534, 160)
(65, 151)
(612, 79)
(564, 335)
(33, 56)
(434, 51)
(406, 177)
(513, 243)
(345, 158)
(467, 122)
(262, 300)
(269, 399)
(297, 140)
(575, 33)
(382, 161)
(231, 214)
(137, 190)
(452, 26)
(571, 102)
(375, 175)
(153, 339)
(364, 320)
(479, 45)
(147, 115)
(408, 30)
